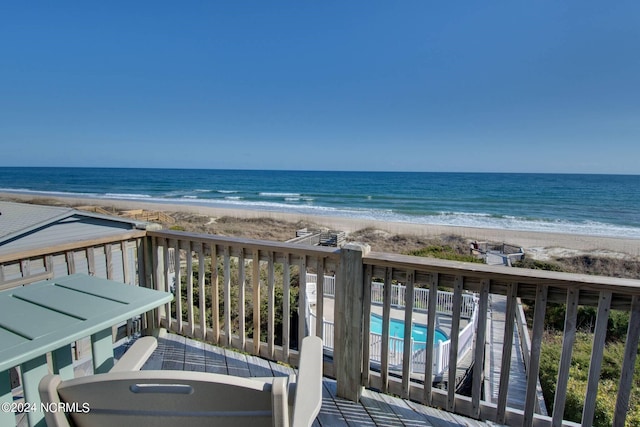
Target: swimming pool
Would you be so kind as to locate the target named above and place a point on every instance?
(396, 330)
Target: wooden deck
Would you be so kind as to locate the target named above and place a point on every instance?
(178, 353)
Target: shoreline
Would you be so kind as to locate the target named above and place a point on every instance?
(539, 244)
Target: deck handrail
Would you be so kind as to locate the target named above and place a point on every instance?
(246, 272)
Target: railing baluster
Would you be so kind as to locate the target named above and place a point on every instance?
(568, 340)
(91, 261)
(109, 260)
(407, 351)
(455, 337)
(479, 355)
(386, 316)
(48, 266)
(158, 280)
(302, 299)
(190, 316)
(146, 267)
(202, 308)
(241, 301)
(534, 360)
(126, 260)
(595, 364)
(319, 297)
(71, 262)
(177, 282)
(167, 285)
(215, 294)
(227, 295)
(431, 333)
(255, 279)
(628, 364)
(366, 328)
(271, 296)
(505, 366)
(286, 307)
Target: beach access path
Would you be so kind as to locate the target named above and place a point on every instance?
(517, 374)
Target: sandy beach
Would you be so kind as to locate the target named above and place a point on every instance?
(538, 244)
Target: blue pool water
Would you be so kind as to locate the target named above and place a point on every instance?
(396, 329)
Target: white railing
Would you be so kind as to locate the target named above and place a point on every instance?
(398, 295)
(396, 345)
(328, 330)
(329, 284)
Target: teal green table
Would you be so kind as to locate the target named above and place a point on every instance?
(48, 317)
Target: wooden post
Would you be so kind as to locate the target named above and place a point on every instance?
(145, 263)
(146, 256)
(349, 309)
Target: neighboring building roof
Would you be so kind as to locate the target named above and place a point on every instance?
(26, 226)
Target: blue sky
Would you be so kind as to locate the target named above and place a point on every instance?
(541, 86)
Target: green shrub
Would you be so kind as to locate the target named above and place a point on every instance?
(578, 375)
(535, 264)
(444, 252)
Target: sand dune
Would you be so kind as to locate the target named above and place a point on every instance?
(539, 244)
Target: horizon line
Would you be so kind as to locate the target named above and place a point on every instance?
(321, 170)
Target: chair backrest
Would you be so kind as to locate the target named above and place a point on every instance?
(308, 396)
(170, 398)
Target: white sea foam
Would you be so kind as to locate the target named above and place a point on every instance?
(268, 194)
(126, 196)
(464, 219)
(49, 193)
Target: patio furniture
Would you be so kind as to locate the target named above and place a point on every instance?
(47, 317)
(170, 398)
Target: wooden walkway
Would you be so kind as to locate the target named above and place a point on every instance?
(517, 374)
(375, 409)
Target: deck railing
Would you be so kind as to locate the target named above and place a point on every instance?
(398, 296)
(239, 292)
(444, 306)
(226, 290)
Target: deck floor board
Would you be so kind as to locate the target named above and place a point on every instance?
(374, 409)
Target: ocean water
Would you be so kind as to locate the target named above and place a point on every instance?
(599, 205)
